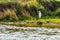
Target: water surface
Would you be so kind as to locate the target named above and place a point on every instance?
(8, 32)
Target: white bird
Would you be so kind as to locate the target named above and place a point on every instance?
(40, 14)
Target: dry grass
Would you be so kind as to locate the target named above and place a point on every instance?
(25, 13)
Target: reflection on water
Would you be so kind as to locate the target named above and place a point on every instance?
(28, 33)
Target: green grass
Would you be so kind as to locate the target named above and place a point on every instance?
(53, 23)
(44, 20)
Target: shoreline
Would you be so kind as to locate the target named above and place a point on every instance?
(33, 24)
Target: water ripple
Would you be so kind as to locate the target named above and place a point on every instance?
(8, 32)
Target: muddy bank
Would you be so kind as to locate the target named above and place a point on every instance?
(33, 24)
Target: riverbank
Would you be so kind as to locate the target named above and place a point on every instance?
(47, 23)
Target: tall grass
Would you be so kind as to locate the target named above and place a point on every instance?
(27, 9)
(17, 10)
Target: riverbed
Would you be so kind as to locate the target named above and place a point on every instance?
(8, 32)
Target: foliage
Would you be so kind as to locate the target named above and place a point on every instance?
(18, 10)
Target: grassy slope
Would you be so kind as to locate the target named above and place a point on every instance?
(30, 11)
(11, 13)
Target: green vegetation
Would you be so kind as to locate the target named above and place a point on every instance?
(21, 10)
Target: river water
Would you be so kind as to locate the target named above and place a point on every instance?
(8, 32)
